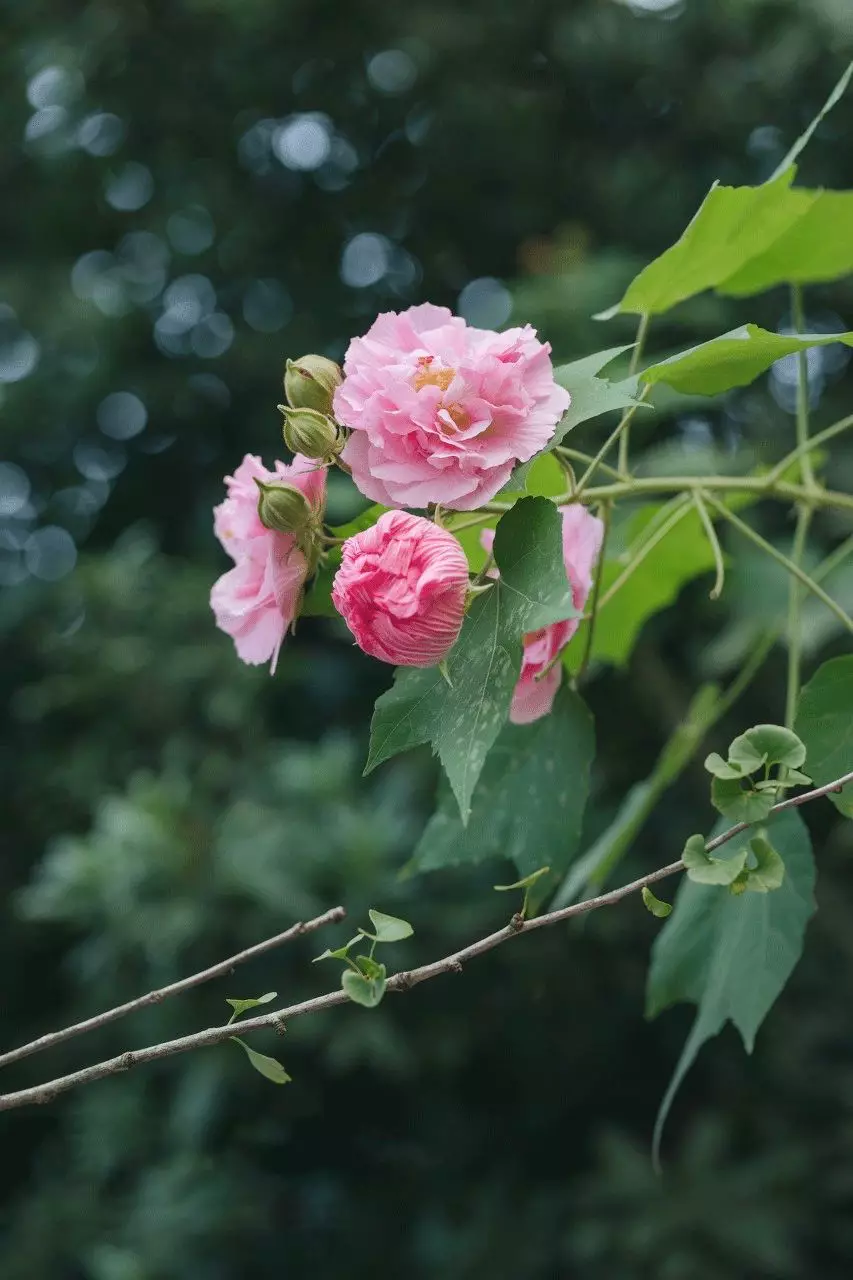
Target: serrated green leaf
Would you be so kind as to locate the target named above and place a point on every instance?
(825, 724)
(271, 1068)
(462, 719)
(388, 928)
(769, 870)
(740, 805)
(682, 555)
(732, 226)
(734, 359)
(732, 954)
(364, 991)
(767, 744)
(592, 396)
(240, 1006)
(658, 908)
(705, 869)
(528, 805)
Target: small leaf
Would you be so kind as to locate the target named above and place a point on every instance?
(767, 744)
(525, 882)
(370, 968)
(730, 799)
(340, 953)
(794, 778)
(704, 869)
(240, 1006)
(658, 908)
(388, 928)
(769, 870)
(269, 1067)
(364, 991)
(721, 768)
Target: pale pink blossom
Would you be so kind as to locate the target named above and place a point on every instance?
(257, 600)
(440, 411)
(401, 589)
(541, 669)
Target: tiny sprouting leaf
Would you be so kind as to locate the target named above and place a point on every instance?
(769, 870)
(240, 1006)
(388, 928)
(733, 801)
(271, 1068)
(369, 967)
(725, 769)
(340, 953)
(364, 991)
(524, 883)
(704, 869)
(658, 908)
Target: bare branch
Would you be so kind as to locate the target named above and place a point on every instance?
(399, 982)
(175, 988)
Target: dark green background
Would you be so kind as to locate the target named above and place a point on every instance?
(164, 806)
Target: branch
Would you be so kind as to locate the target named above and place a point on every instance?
(399, 982)
(175, 988)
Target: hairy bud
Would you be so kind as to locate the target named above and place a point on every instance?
(310, 383)
(311, 433)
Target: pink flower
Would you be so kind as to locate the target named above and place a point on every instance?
(257, 600)
(442, 412)
(401, 589)
(534, 693)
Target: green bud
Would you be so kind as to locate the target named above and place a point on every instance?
(284, 508)
(311, 433)
(310, 383)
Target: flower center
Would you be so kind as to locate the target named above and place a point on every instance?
(429, 377)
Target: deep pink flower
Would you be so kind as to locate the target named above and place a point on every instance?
(534, 693)
(442, 412)
(401, 589)
(257, 600)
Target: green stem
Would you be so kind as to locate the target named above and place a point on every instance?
(806, 469)
(619, 432)
(794, 569)
(636, 356)
(577, 455)
(809, 446)
(680, 508)
(596, 592)
(711, 533)
(758, 485)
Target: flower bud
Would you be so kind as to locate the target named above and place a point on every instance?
(283, 508)
(310, 383)
(401, 589)
(311, 433)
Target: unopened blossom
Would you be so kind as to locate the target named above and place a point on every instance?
(257, 600)
(441, 412)
(541, 669)
(401, 589)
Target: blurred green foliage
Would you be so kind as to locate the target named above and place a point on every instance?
(195, 189)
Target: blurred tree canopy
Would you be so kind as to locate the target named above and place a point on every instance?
(195, 189)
